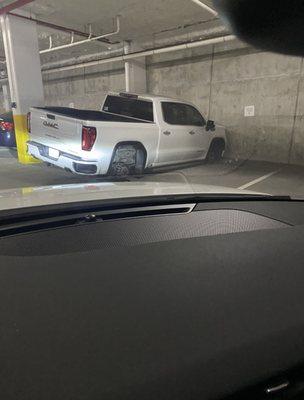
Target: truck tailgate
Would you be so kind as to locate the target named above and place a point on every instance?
(55, 130)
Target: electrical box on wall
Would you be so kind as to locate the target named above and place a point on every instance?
(249, 111)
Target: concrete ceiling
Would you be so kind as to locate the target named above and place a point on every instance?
(139, 17)
(143, 21)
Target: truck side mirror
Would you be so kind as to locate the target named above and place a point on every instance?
(210, 126)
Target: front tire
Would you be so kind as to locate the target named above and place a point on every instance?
(216, 151)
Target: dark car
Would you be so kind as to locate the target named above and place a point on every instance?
(7, 130)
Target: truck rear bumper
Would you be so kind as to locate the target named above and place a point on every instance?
(66, 161)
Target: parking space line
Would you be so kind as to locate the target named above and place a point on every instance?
(258, 180)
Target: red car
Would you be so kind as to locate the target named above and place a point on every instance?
(7, 130)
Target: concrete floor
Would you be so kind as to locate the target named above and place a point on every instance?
(278, 179)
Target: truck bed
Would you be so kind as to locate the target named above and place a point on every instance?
(91, 115)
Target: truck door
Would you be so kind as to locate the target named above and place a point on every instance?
(182, 135)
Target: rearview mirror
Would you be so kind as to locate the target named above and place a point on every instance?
(210, 126)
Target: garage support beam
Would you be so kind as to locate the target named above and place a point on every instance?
(24, 75)
(135, 71)
(6, 98)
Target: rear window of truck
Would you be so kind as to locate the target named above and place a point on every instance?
(133, 108)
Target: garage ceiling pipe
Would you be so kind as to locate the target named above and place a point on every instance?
(199, 35)
(12, 6)
(190, 45)
(205, 7)
(82, 59)
(60, 28)
(89, 40)
(145, 53)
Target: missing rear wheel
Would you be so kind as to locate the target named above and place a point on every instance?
(128, 160)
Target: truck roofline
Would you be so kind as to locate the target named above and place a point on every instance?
(151, 97)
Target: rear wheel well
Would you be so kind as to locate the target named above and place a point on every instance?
(128, 158)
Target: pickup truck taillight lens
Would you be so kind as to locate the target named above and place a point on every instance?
(88, 137)
(28, 119)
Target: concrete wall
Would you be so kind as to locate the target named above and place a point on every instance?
(221, 81)
(225, 79)
(85, 88)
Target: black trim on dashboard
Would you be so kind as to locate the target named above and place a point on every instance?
(92, 206)
(26, 225)
(116, 203)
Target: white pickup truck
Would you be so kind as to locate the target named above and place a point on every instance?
(131, 133)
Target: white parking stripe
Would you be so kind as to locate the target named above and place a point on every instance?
(258, 180)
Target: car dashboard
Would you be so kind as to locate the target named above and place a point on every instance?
(174, 300)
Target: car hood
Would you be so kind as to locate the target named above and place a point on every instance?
(59, 194)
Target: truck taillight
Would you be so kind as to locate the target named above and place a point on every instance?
(88, 137)
(29, 122)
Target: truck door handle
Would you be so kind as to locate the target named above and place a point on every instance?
(167, 133)
(192, 132)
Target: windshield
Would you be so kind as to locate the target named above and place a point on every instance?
(138, 96)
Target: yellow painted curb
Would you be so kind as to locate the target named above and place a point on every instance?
(27, 190)
(22, 136)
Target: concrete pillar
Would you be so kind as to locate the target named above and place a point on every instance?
(24, 75)
(135, 71)
(6, 98)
